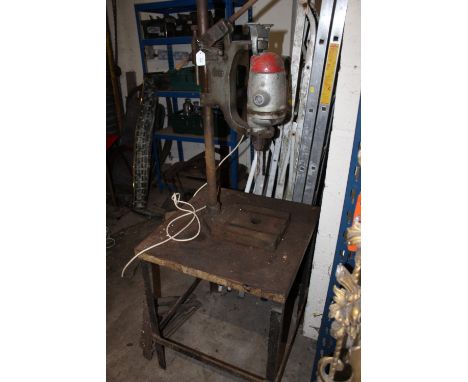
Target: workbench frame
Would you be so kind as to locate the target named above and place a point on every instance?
(279, 347)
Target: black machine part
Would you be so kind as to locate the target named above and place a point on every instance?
(150, 117)
(142, 145)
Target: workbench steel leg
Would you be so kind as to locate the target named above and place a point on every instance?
(151, 303)
(273, 342)
(303, 291)
(280, 321)
(146, 338)
(156, 271)
(305, 276)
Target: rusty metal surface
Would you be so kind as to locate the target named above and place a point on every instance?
(260, 272)
(203, 357)
(177, 304)
(151, 302)
(207, 115)
(224, 71)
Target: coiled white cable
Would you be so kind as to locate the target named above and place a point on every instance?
(191, 211)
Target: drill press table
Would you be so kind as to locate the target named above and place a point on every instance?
(279, 275)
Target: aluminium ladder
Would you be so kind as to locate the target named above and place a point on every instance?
(295, 160)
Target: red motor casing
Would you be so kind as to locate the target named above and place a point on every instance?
(266, 93)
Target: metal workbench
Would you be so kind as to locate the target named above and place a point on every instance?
(279, 275)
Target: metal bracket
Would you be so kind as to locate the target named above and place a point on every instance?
(215, 33)
(259, 34)
(222, 71)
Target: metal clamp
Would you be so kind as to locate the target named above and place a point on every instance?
(259, 34)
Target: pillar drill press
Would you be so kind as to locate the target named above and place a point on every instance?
(220, 62)
(250, 243)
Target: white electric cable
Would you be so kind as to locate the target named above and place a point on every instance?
(253, 168)
(192, 211)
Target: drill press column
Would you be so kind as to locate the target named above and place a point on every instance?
(207, 115)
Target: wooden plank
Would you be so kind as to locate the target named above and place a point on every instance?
(254, 226)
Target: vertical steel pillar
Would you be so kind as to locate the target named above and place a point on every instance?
(207, 114)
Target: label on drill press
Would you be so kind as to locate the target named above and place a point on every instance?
(200, 58)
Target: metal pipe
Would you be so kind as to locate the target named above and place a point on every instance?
(203, 357)
(179, 302)
(194, 52)
(242, 10)
(207, 114)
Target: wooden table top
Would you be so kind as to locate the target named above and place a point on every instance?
(261, 272)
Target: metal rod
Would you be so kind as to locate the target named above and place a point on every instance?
(242, 10)
(207, 114)
(181, 348)
(151, 301)
(176, 305)
(194, 52)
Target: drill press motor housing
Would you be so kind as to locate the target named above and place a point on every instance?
(266, 95)
(267, 86)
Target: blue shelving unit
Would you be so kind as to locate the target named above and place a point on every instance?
(179, 6)
(325, 342)
(167, 41)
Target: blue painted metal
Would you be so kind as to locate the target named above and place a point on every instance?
(165, 7)
(157, 165)
(167, 41)
(229, 8)
(180, 150)
(325, 342)
(234, 160)
(170, 57)
(178, 94)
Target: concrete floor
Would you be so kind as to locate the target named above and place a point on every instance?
(221, 324)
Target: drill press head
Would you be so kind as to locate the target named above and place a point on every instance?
(266, 96)
(267, 88)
